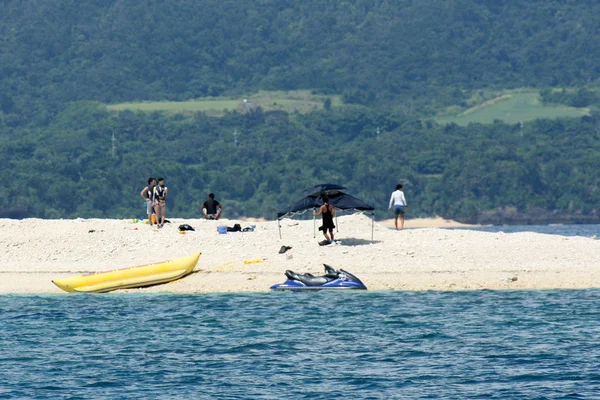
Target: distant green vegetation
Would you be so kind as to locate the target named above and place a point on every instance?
(343, 91)
(210, 106)
(302, 101)
(513, 108)
(425, 55)
(582, 97)
(546, 171)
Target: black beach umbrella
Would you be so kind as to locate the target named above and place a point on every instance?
(324, 188)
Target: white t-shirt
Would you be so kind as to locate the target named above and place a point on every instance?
(397, 199)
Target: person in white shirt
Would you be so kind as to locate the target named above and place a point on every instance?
(399, 203)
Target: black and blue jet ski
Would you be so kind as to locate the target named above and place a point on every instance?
(333, 279)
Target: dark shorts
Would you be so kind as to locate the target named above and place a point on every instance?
(327, 228)
(399, 210)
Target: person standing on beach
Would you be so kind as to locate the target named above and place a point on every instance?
(160, 196)
(399, 203)
(148, 195)
(211, 208)
(328, 212)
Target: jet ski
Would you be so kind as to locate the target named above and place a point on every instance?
(333, 279)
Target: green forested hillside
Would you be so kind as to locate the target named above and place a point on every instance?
(367, 50)
(547, 170)
(394, 64)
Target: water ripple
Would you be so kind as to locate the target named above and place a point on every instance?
(379, 345)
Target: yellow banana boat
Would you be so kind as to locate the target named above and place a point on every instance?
(127, 278)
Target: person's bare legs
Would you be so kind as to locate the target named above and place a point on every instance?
(164, 212)
(328, 237)
(401, 222)
(160, 214)
(396, 221)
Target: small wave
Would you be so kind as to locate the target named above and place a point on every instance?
(411, 345)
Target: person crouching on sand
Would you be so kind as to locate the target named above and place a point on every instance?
(160, 196)
(211, 208)
(399, 202)
(328, 212)
(148, 195)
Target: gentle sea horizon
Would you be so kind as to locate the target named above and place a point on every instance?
(585, 230)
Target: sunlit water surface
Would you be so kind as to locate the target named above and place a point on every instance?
(380, 345)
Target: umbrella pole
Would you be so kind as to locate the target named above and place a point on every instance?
(314, 225)
(372, 225)
(337, 226)
(279, 224)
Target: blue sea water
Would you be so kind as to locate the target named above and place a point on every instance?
(324, 345)
(586, 230)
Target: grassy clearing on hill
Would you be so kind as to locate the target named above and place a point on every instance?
(512, 107)
(302, 101)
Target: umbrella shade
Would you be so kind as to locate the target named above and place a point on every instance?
(324, 188)
(344, 201)
(339, 200)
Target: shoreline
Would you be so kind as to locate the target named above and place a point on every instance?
(432, 222)
(37, 251)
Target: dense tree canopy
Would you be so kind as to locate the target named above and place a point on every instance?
(470, 173)
(369, 50)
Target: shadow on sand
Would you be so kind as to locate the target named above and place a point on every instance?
(356, 242)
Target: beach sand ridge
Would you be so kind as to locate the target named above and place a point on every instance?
(35, 251)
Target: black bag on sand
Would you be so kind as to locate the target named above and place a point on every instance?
(185, 227)
(283, 249)
(236, 228)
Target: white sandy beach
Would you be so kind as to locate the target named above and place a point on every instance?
(36, 251)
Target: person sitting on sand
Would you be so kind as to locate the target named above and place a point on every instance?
(399, 202)
(148, 195)
(160, 196)
(328, 212)
(211, 208)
